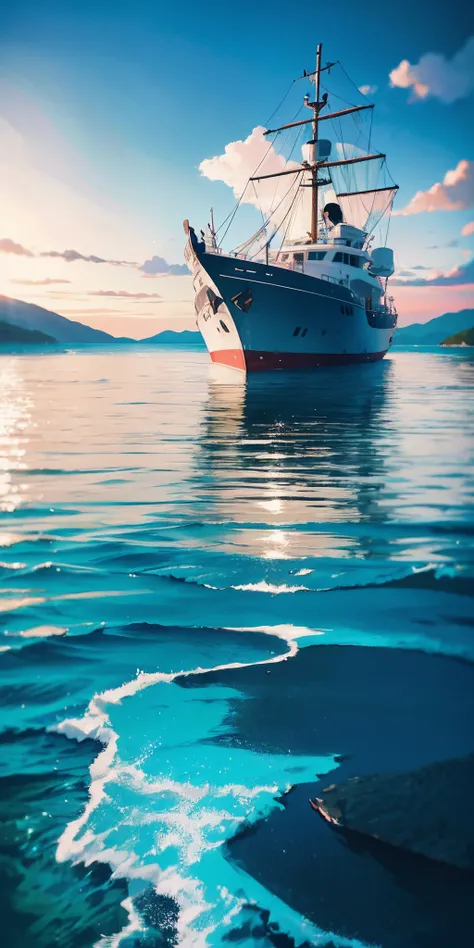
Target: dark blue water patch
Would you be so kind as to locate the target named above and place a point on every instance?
(43, 785)
(354, 886)
(43, 681)
(380, 710)
(383, 709)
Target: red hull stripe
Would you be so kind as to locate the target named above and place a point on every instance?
(255, 361)
(233, 357)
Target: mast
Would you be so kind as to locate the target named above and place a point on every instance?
(314, 150)
(318, 159)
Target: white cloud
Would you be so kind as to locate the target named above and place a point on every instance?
(454, 193)
(468, 229)
(368, 90)
(435, 75)
(241, 160)
(158, 266)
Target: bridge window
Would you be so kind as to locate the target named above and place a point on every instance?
(348, 258)
(316, 254)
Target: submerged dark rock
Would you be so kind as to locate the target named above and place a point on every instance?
(371, 710)
(426, 811)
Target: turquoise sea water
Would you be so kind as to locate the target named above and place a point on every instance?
(214, 590)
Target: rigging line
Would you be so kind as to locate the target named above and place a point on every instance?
(282, 101)
(352, 81)
(243, 192)
(291, 219)
(390, 204)
(382, 214)
(288, 212)
(286, 162)
(283, 144)
(259, 231)
(259, 207)
(336, 96)
(235, 209)
(251, 239)
(234, 212)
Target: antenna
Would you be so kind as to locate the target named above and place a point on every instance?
(213, 229)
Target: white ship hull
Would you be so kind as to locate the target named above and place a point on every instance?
(257, 316)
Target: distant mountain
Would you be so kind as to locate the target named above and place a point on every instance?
(464, 338)
(11, 335)
(169, 337)
(28, 316)
(435, 330)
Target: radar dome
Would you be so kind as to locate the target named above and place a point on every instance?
(381, 263)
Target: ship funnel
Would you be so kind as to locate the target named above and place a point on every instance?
(334, 213)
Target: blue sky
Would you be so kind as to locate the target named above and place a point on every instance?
(109, 108)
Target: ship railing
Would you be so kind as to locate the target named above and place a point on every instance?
(331, 279)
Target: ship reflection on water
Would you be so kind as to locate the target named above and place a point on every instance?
(290, 458)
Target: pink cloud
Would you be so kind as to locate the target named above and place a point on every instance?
(47, 282)
(435, 75)
(418, 304)
(462, 274)
(124, 294)
(468, 229)
(454, 193)
(9, 246)
(70, 256)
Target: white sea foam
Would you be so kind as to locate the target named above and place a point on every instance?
(189, 821)
(265, 587)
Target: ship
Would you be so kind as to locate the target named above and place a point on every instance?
(320, 298)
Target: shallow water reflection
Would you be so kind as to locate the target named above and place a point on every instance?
(159, 514)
